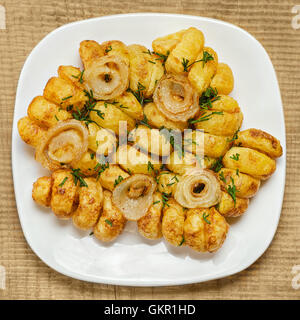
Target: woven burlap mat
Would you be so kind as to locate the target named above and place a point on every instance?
(27, 22)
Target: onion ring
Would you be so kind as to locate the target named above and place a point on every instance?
(175, 98)
(63, 144)
(198, 188)
(107, 77)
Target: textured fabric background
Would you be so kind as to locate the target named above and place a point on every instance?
(270, 22)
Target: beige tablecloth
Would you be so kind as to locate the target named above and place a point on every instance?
(27, 22)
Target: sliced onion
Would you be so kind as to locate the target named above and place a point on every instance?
(175, 98)
(198, 188)
(134, 196)
(107, 77)
(63, 144)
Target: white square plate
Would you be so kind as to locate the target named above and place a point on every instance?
(131, 259)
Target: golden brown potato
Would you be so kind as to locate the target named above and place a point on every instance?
(110, 176)
(116, 48)
(145, 70)
(90, 204)
(246, 186)
(250, 161)
(72, 74)
(64, 94)
(128, 103)
(150, 141)
(205, 229)
(45, 113)
(149, 226)
(180, 164)
(111, 222)
(64, 194)
(173, 223)
(30, 132)
(204, 143)
(41, 191)
(87, 163)
(261, 141)
(109, 117)
(227, 207)
(157, 119)
(167, 182)
(223, 80)
(164, 45)
(226, 104)
(201, 72)
(187, 49)
(89, 51)
(135, 161)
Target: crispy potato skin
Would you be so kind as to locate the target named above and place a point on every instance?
(111, 117)
(149, 226)
(30, 132)
(166, 44)
(71, 74)
(64, 198)
(260, 141)
(41, 191)
(89, 51)
(173, 223)
(200, 74)
(109, 176)
(227, 208)
(142, 71)
(201, 235)
(223, 80)
(246, 185)
(116, 48)
(111, 222)
(190, 45)
(251, 162)
(87, 163)
(180, 165)
(90, 204)
(45, 113)
(158, 120)
(63, 93)
(167, 182)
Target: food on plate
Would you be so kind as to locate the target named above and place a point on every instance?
(147, 135)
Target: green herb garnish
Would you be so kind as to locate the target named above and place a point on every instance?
(235, 157)
(205, 117)
(118, 180)
(108, 222)
(181, 242)
(63, 182)
(205, 216)
(78, 176)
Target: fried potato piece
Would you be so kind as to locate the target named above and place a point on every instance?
(180, 164)
(205, 229)
(30, 132)
(260, 141)
(149, 226)
(45, 113)
(208, 144)
(250, 161)
(109, 116)
(173, 223)
(109, 176)
(135, 161)
(41, 191)
(71, 74)
(89, 51)
(145, 70)
(157, 119)
(90, 204)
(188, 48)
(164, 45)
(227, 207)
(64, 196)
(167, 182)
(87, 163)
(223, 80)
(111, 222)
(150, 140)
(246, 186)
(64, 94)
(202, 72)
(128, 103)
(116, 48)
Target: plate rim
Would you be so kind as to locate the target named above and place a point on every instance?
(147, 283)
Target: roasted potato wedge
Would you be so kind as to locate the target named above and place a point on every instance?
(227, 207)
(30, 132)
(223, 80)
